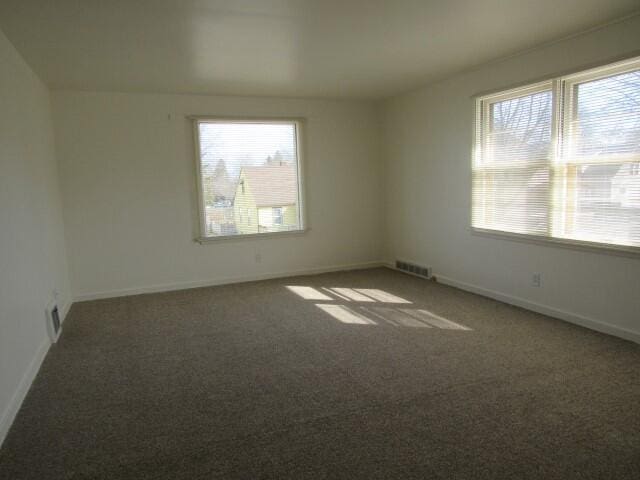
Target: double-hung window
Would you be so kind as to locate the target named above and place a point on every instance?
(249, 177)
(560, 160)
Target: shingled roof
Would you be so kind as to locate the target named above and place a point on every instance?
(272, 186)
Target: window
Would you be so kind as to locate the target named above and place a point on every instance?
(560, 159)
(277, 216)
(248, 170)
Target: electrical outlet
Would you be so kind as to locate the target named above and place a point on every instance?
(536, 279)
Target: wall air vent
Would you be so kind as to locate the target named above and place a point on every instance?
(413, 269)
(53, 322)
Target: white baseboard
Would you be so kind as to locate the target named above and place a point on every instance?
(64, 309)
(9, 414)
(223, 281)
(544, 309)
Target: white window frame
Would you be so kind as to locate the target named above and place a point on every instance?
(483, 120)
(561, 88)
(298, 123)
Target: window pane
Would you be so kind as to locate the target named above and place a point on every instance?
(513, 200)
(603, 203)
(520, 129)
(248, 172)
(607, 116)
(511, 180)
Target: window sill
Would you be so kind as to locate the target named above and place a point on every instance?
(250, 236)
(580, 245)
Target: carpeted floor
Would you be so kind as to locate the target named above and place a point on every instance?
(401, 378)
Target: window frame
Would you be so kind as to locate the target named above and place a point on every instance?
(298, 123)
(483, 121)
(561, 86)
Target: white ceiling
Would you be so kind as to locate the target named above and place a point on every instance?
(311, 48)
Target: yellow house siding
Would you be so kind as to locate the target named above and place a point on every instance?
(244, 206)
(249, 218)
(289, 218)
(291, 215)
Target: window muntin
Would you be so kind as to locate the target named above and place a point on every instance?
(246, 169)
(561, 159)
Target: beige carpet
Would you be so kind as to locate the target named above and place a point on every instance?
(369, 374)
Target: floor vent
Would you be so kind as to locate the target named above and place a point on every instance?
(53, 322)
(413, 269)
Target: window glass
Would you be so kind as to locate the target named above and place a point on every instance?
(247, 171)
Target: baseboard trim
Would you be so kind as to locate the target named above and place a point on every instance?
(223, 281)
(9, 414)
(64, 310)
(544, 309)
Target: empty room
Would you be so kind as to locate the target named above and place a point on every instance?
(319, 239)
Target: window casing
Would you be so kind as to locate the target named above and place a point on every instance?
(559, 160)
(246, 169)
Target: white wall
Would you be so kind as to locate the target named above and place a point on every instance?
(32, 253)
(127, 174)
(428, 147)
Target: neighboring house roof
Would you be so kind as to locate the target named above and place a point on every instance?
(272, 186)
